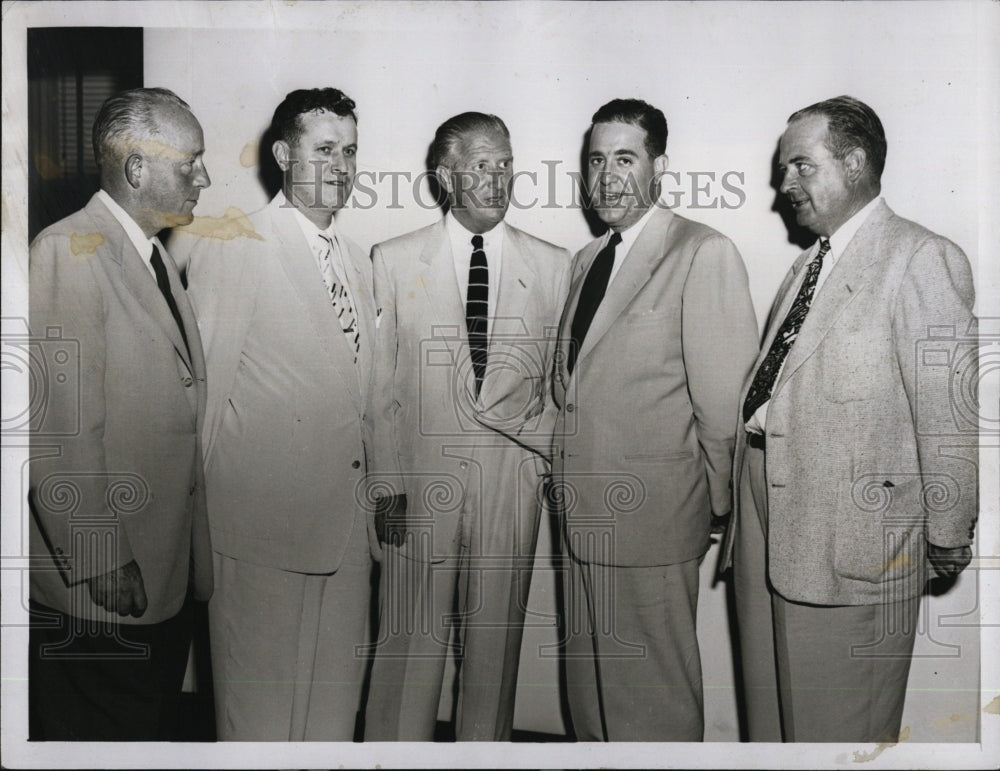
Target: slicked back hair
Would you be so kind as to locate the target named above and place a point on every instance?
(850, 123)
(449, 136)
(640, 114)
(128, 118)
(285, 123)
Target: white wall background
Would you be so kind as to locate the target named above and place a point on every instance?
(726, 75)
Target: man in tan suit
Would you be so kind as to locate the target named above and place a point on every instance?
(469, 307)
(116, 488)
(655, 340)
(852, 476)
(288, 320)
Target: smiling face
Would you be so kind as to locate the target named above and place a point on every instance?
(621, 175)
(478, 179)
(319, 166)
(173, 173)
(823, 190)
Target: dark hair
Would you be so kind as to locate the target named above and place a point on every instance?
(285, 123)
(640, 114)
(127, 118)
(850, 123)
(450, 133)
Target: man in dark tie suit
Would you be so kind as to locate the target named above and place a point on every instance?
(655, 340)
(288, 319)
(116, 488)
(469, 307)
(851, 481)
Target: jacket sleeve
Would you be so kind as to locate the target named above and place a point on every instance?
(69, 488)
(719, 345)
(937, 352)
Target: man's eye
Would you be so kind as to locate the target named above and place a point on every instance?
(350, 152)
(596, 161)
(804, 168)
(624, 161)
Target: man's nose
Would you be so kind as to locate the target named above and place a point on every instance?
(202, 180)
(787, 180)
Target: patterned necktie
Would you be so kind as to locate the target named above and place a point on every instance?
(591, 295)
(339, 298)
(767, 374)
(163, 282)
(477, 306)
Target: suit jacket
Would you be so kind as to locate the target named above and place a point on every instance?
(455, 455)
(645, 419)
(117, 470)
(864, 462)
(285, 430)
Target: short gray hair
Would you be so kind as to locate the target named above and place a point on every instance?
(450, 134)
(128, 117)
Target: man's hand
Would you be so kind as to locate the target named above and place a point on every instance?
(948, 563)
(120, 591)
(720, 522)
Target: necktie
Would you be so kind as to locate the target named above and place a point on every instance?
(767, 374)
(339, 298)
(477, 306)
(163, 282)
(594, 287)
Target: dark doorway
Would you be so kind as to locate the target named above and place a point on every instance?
(71, 71)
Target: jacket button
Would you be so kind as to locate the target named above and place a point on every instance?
(193, 488)
(570, 408)
(188, 382)
(356, 464)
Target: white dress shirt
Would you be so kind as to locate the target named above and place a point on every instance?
(142, 244)
(461, 253)
(839, 242)
(629, 235)
(318, 246)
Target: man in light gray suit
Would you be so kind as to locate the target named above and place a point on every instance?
(469, 306)
(116, 488)
(656, 338)
(851, 478)
(288, 319)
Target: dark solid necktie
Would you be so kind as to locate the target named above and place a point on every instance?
(594, 287)
(163, 281)
(767, 374)
(477, 306)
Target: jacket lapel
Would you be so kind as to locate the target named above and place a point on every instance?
(299, 266)
(137, 278)
(447, 311)
(649, 248)
(841, 287)
(509, 333)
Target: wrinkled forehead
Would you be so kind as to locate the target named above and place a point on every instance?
(475, 144)
(805, 136)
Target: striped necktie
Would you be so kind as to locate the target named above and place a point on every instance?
(767, 374)
(477, 306)
(339, 298)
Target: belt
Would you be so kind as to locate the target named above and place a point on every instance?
(755, 440)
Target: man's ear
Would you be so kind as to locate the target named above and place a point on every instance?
(443, 174)
(854, 163)
(280, 151)
(133, 170)
(660, 164)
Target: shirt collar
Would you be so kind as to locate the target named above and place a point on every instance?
(143, 245)
(462, 236)
(308, 227)
(631, 233)
(840, 239)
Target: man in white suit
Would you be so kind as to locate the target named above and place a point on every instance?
(116, 488)
(288, 320)
(656, 338)
(469, 307)
(851, 475)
